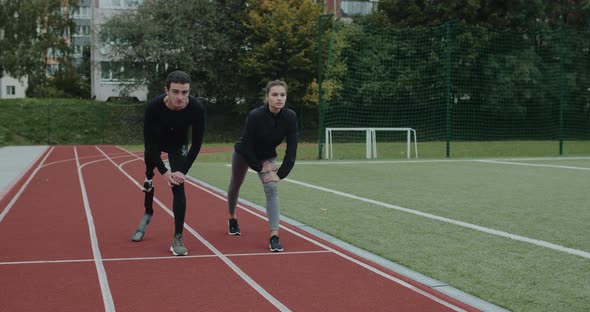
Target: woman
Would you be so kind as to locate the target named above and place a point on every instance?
(266, 127)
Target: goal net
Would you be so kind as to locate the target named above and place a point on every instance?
(393, 142)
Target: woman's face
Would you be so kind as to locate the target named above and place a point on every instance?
(276, 98)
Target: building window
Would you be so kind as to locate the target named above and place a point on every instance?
(78, 50)
(116, 72)
(58, 31)
(54, 53)
(121, 4)
(111, 71)
(82, 12)
(132, 3)
(52, 69)
(358, 7)
(10, 90)
(82, 31)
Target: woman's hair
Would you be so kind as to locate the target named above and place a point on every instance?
(177, 76)
(274, 83)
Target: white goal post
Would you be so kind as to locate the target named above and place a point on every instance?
(371, 140)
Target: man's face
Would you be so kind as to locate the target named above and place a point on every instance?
(178, 95)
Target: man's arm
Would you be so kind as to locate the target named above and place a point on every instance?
(151, 147)
(198, 131)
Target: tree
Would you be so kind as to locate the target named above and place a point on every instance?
(512, 14)
(230, 48)
(201, 37)
(281, 43)
(519, 61)
(28, 29)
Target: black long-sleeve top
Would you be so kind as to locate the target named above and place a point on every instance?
(167, 130)
(263, 132)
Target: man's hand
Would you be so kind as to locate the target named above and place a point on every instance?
(178, 176)
(170, 179)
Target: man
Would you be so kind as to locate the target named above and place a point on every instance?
(168, 118)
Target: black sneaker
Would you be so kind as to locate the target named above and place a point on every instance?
(234, 228)
(275, 244)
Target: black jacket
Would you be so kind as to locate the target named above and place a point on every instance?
(167, 130)
(263, 132)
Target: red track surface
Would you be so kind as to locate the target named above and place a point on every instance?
(65, 245)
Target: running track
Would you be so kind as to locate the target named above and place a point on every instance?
(65, 230)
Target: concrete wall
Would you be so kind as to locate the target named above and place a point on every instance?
(20, 87)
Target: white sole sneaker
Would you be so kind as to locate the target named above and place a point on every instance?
(178, 254)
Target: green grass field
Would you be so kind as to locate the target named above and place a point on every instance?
(543, 199)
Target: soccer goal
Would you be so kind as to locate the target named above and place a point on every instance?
(369, 136)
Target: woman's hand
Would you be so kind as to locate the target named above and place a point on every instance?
(270, 177)
(268, 166)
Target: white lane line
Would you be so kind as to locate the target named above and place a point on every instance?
(265, 254)
(220, 255)
(533, 241)
(317, 243)
(532, 165)
(421, 161)
(73, 159)
(107, 297)
(23, 187)
(537, 242)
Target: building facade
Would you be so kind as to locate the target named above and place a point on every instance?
(350, 8)
(12, 88)
(105, 71)
(78, 40)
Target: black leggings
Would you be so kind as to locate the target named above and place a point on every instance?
(177, 160)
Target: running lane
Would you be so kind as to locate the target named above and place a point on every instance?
(144, 276)
(81, 206)
(311, 275)
(45, 252)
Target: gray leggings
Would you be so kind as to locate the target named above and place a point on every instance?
(239, 168)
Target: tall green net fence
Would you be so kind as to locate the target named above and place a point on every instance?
(467, 91)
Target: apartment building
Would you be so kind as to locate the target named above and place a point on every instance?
(105, 71)
(78, 39)
(350, 8)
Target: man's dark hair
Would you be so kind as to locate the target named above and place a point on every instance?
(177, 76)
